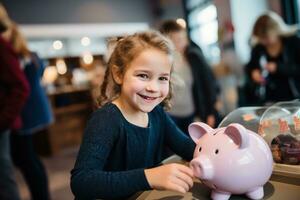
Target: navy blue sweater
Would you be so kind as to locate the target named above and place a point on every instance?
(114, 153)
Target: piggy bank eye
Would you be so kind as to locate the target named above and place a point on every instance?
(200, 149)
(216, 151)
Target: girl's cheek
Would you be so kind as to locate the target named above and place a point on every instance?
(166, 90)
(139, 85)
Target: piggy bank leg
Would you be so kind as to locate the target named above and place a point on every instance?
(217, 195)
(258, 193)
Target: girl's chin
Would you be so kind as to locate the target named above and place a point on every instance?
(146, 109)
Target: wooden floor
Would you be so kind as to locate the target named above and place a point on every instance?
(58, 169)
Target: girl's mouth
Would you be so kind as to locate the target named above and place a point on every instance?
(147, 97)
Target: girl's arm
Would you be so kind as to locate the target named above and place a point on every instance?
(253, 63)
(88, 179)
(176, 177)
(180, 143)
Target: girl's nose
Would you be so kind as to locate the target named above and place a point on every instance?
(152, 86)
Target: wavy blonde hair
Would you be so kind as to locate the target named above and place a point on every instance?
(126, 49)
(271, 22)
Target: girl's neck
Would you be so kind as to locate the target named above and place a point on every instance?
(132, 115)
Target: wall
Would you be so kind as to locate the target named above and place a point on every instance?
(243, 14)
(171, 9)
(79, 11)
(223, 9)
(275, 5)
(68, 20)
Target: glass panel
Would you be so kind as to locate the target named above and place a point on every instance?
(278, 124)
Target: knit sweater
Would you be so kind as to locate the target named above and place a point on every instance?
(114, 153)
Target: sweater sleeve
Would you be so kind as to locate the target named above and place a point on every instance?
(180, 143)
(89, 180)
(14, 82)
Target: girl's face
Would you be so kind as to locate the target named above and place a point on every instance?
(269, 39)
(145, 82)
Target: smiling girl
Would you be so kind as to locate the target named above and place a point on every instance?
(125, 139)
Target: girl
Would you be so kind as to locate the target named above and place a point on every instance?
(124, 140)
(274, 67)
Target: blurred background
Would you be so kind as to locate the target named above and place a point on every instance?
(70, 37)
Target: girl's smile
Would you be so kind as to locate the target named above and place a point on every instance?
(148, 98)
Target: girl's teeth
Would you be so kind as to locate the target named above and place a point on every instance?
(148, 98)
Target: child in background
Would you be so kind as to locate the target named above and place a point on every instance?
(125, 139)
(273, 72)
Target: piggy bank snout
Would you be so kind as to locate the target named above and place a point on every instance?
(202, 168)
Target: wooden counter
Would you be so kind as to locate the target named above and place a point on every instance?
(279, 187)
(71, 108)
(275, 189)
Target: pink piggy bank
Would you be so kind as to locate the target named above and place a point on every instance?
(231, 160)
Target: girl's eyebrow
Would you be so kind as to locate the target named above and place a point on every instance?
(149, 71)
(141, 70)
(165, 74)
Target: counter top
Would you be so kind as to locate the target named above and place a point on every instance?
(275, 189)
(279, 187)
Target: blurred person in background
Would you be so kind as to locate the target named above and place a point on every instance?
(36, 115)
(14, 91)
(274, 67)
(195, 88)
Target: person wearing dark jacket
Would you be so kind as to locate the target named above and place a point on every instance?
(195, 87)
(14, 90)
(274, 67)
(36, 115)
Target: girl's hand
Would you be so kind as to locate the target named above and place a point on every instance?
(256, 76)
(211, 120)
(271, 67)
(175, 177)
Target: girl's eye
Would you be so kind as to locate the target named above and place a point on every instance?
(143, 76)
(163, 78)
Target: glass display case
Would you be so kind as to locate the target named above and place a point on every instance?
(279, 125)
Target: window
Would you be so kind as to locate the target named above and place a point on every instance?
(203, 25)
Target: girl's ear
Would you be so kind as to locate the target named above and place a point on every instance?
(117, 75)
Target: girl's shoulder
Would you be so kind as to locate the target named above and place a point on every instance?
(293, 40)
(104, 122)
(107, 114)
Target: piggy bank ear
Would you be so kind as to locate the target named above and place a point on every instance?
(198, 129)
(238, 134)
